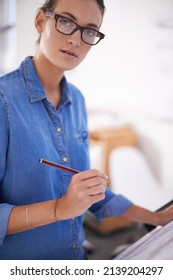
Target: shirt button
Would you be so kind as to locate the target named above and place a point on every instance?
(74, 246)
(84, 135)
(65, 159)
(73, 219)
(59, 129)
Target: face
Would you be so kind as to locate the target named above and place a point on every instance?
(67, 51)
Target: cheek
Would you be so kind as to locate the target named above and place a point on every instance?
(48, 42)
(84, 51)
(49, 35)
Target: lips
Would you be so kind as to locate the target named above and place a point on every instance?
(70, 53)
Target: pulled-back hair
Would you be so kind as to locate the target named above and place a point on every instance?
(50, 5)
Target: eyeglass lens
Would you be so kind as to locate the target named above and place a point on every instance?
(66, 26)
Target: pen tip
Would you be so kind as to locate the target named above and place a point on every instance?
(40, 160)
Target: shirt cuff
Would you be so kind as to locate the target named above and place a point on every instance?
(117, 205)
(5, 210)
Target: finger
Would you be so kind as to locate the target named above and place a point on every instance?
(99, 189)
(91, 173)
(91, 182)
(97, 198)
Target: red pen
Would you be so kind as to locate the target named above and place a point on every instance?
(56, 165)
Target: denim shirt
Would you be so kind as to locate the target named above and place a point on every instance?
(32, 128)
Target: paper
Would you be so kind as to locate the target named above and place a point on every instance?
(155, 245)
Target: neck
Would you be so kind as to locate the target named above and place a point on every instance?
(50, 78)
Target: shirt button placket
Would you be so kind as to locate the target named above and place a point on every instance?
(65, 159)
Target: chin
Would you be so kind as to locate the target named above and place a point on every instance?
(70, 67)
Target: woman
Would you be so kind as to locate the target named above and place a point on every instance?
(42, 115)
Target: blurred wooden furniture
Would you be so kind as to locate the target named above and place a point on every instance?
(110, 139)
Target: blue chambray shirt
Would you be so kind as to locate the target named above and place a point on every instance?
(31, 128)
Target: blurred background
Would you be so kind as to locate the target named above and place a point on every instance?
(127, 81)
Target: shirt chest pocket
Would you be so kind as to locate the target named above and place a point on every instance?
(82, 136)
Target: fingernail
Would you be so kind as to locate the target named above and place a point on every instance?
(108, 182)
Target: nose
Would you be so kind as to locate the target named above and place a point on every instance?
(75, 38)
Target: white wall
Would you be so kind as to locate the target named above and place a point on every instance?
(26, 34)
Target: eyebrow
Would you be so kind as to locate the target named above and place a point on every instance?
(75, 19)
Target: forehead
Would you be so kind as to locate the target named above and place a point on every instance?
(85, 11)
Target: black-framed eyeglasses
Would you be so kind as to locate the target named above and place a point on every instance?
(67, 26)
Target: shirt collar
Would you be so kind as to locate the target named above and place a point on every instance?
(35, 87)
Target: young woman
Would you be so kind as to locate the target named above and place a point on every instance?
(44, 116)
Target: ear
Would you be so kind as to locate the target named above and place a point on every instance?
(39, 21)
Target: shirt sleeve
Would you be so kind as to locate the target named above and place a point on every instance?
(112, 205)
(5, 209)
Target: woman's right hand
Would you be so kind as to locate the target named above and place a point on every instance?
(85, 189)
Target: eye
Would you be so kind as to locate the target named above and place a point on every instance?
(90, 32)
(66, 22)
